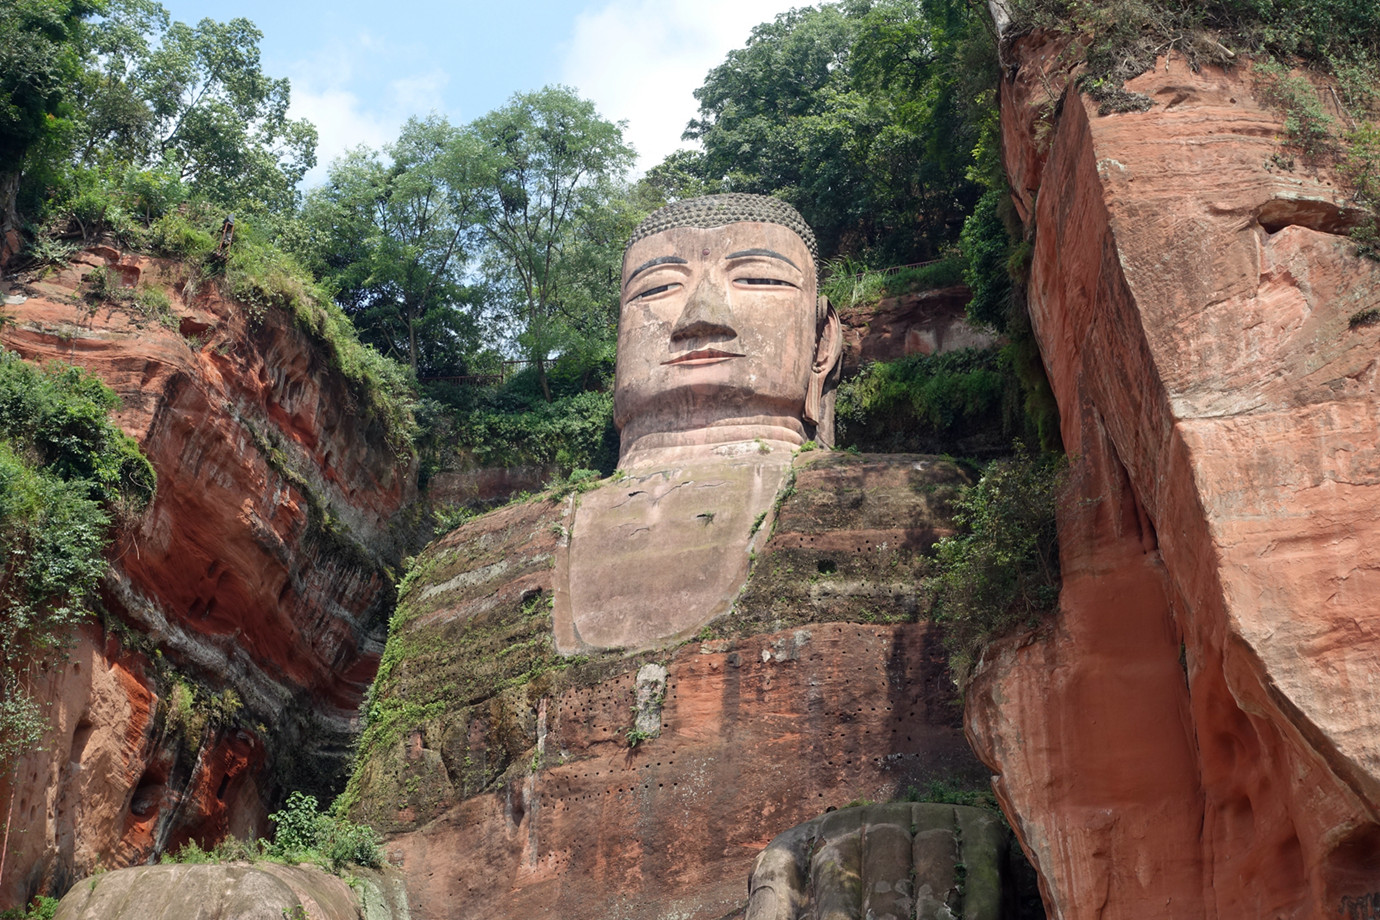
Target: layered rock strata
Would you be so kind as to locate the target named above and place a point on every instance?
(519, 783)
(1195, 735)
(258, 581)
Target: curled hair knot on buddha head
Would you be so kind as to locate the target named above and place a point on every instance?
(710, 211)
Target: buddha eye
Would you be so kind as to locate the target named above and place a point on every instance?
(652, 292)
(765, 282)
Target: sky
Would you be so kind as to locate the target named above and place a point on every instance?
(360, 69)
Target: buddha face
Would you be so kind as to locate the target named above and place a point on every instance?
(715, 325)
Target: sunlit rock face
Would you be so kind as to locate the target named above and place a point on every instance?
(725, 357)
(260, 568)
(1198, 733)
(515, 782)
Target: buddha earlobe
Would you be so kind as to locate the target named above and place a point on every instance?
(828, 350)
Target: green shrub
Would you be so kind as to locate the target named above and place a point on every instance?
(927, 403)
(1002, 571)
(849, 283)
(45, 250)
(987, 249)
(65, 469)
(302, 833)
(572, 432)
(41, 908)
(953, 792)
(1308, 127)
(173, 235)
(61, 413)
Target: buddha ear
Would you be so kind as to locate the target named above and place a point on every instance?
(828, 350)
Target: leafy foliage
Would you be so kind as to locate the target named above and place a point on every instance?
(850, 283)
(956, 400)
(41, 908)
(192, 105)
(945, 273)
(954, 792)
(571, 432)
(1003, 571)
(40, 59)
(64, 470)
(553, 239)
(863, 114)
(303, 833)
(391, 235)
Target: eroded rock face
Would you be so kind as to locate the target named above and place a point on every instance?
(518, 783)
(261, 568)
(1196, 735)
(924, 323)
(652, 558)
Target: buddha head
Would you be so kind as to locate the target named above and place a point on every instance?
(721, 335)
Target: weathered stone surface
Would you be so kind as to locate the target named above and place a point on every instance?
(725, 361)
(519, 783)
(895, 862)
(756, 734)
(1196, 735)
(924, 323)
(262, 891)
(720, 340)
(261, 567)
(654, 556)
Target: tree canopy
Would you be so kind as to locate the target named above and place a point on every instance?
(40, 61)
(552, 227)
(109, 108)
(863, 114)
(392, 234)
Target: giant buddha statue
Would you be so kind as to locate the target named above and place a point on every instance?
(726, 362)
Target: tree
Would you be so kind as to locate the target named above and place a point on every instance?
(40, 60)
(547, 232)
(194, 101)
(861, 115)
(131, 112)
(393, 234)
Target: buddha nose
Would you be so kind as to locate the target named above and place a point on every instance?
(706, 314)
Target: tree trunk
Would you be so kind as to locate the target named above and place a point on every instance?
(412, 343)
(9, 217)
(541, 378)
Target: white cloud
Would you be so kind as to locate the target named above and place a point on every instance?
(642, 60)
(322, 94)
(419, 94)
(341, 124)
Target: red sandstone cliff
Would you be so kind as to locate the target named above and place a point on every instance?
(1198, 733)
(509, 778)
(262, 568)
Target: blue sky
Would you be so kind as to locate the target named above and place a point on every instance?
(359, 70)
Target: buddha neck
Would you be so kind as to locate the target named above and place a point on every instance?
(726, 438)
